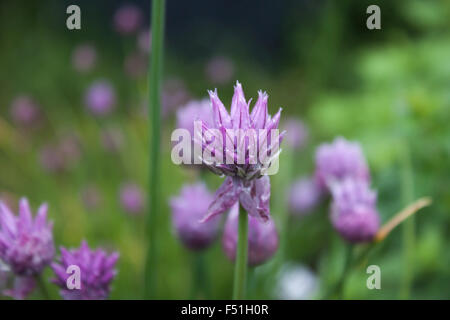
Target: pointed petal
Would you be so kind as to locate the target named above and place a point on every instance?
(237, 97)
(25, 217)
(259, 112)
(41, 217)
(220, 114)
(7, 220)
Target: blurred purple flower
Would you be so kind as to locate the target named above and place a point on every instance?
(25, 112)
(84, 57)
(296, 133)
(339, 160)
(51, 159)
(26, 245)
(219, 70)
(174, 94)
(70, 148)
(304, 196)
(128, 19)
(262, 238)
(132, 198)
(59, 156)
(91, 197)
(112, 139)
(135, 65)
(100, 98)
(96, 270)
(194, 110)
(353, 210)
(144, 41)
(187, 210)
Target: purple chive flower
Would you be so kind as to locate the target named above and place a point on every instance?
(84, 57)
(100, 98)
(144, 41)
(353, 210)
(187, 210)
(296, 133)
(128, 19)
(96, 272)
(262, 238)
(195, 110)
(24, 111)
(304, 196)
(219, 70)
(26, 245)
(246, 181)
(112, 139)
(339, 160)
(52, 159)
(70, 148)
(132, 198)
(135, 65)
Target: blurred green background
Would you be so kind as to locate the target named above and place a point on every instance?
(389, 89)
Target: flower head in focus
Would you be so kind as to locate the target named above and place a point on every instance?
(262, 238)
(97, 271)
(127, 19)
(339, 160)
(26, 244)
(244, 141)
(240, 138)
(353, 210)
(100, 98)
(187, 210)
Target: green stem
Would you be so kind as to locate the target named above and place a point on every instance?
(41, 284)
(338, 289)
(409, 225)
(200, 286)
(155, 73)
(240, 268)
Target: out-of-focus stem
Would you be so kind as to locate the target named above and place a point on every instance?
(42, 287)
(240, 268)
(200, 277)
(155, 73)
(409, 225)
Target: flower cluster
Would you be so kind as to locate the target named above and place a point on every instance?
(195, 210)
(26, 248)
(96, 272)
(342, 170)
(26, 244)
(246, 180)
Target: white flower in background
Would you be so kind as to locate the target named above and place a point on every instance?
(297, 282)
